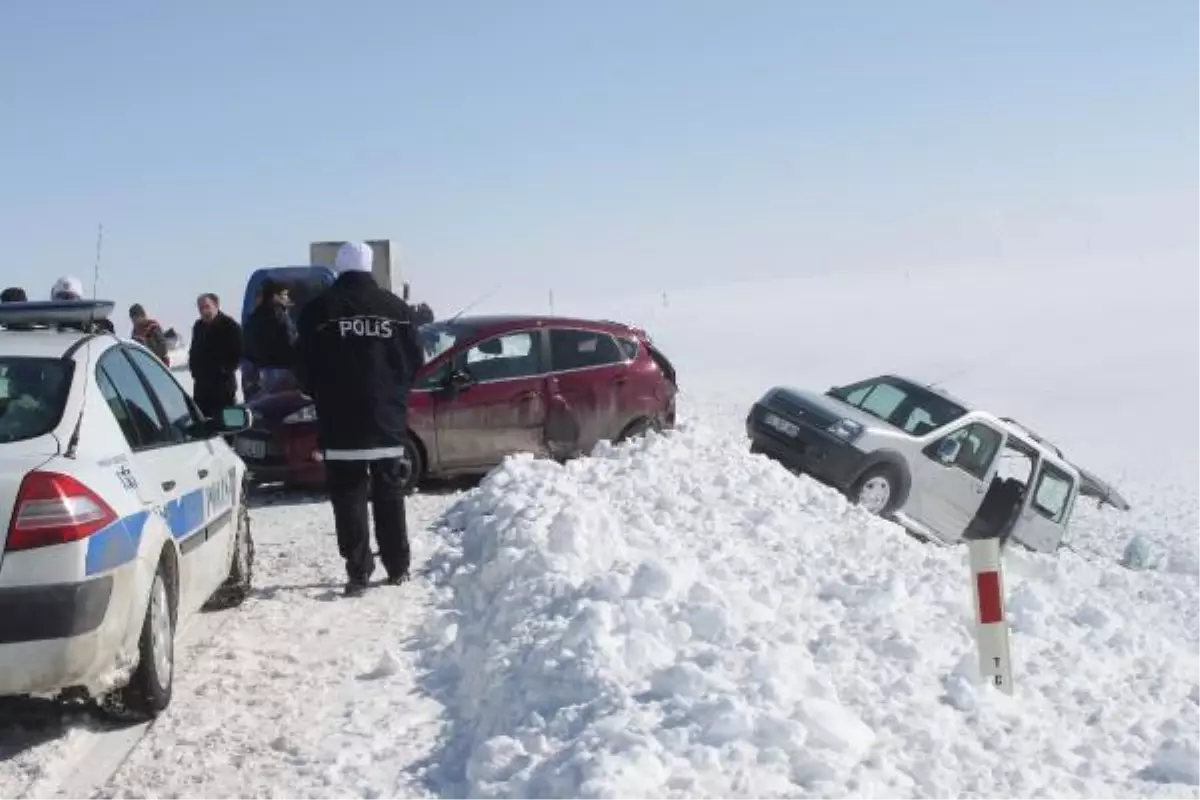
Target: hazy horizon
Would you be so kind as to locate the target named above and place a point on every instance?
(592, 150)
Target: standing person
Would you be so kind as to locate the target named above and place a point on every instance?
(357, 354)
(69, 287)
(15, 294)
(148, 333)
(423, 314)
(213, 356)
(270, 337)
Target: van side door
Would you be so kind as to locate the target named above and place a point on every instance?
(1046, 509)
(947, 495)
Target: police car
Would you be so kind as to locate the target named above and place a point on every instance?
(124, 510)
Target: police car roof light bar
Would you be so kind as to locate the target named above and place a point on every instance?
(55, 312)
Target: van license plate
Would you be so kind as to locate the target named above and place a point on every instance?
(781, 425)
(251, 448)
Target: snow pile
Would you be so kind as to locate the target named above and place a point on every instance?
(676, 617)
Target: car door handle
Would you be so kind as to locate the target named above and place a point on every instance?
(620, 380)
(527, 397)
(203, 473)
(168, 485)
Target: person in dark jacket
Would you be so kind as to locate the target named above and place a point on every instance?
(270, 336)
(423, 314)
(14, 294)
(148, 333)
(213, 356)
(357, 354)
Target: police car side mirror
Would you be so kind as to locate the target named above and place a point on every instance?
(232, 419)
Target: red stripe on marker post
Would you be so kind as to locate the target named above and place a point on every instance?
(991, 607)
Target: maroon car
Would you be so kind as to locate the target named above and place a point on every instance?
(492, 386)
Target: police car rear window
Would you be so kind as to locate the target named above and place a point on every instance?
(33, 392)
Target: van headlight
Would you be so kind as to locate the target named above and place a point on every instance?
(846, 429)
(306, 414)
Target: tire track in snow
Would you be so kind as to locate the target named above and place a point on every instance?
(98, 752)
(308, 693)
(90, 752)
(297, 565)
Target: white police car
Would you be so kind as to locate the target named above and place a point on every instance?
(124, 507)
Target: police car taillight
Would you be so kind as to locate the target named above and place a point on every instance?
(51, 509)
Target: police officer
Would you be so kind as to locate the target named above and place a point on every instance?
(357, 352)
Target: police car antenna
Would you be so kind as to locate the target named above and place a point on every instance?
(73, 444)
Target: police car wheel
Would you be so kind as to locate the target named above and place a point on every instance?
(149, 689)
(237, 586)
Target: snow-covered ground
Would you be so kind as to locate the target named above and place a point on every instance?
(676, 617)
(297, 693)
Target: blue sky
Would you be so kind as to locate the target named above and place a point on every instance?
(588, 147)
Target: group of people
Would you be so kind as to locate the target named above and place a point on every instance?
(355, 349)
(145, 330)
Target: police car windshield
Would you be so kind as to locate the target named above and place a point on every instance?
(33, 392)
(438, 337)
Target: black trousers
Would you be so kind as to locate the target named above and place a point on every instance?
(213, 395)
(350, 484)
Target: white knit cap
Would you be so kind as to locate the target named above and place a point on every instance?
(353, 257)
(67, 284)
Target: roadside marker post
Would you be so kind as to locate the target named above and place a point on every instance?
(991, 625)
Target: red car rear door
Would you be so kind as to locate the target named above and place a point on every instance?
(588, 373)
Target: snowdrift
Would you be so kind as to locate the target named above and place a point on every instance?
(677, 617)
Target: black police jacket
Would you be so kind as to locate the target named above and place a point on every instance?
(357, 352)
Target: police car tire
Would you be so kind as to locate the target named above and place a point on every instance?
(147, 693)
(237, 586)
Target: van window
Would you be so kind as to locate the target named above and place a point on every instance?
(1052, 492)
(883, 400)
(979, 446)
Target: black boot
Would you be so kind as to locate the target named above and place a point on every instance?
(355, 587)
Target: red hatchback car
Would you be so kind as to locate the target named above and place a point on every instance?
(492, 386)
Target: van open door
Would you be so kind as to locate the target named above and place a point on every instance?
(1046, 508)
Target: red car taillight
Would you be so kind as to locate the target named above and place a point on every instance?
(54, 509)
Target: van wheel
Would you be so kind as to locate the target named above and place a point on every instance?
(237, 585)
(878, 490)
(149, 689)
